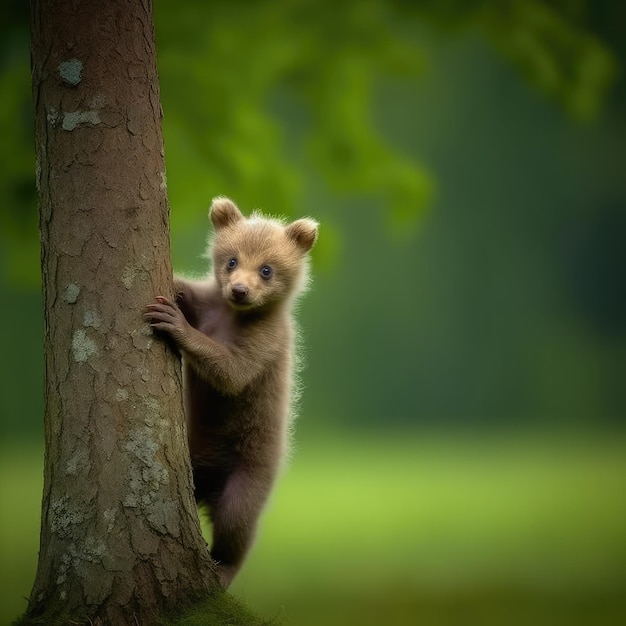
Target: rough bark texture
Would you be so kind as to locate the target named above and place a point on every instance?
(120, 538)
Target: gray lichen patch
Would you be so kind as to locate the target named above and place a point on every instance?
(92, 550)
(153, 416)
(128, 276)
(66, 561)
(110, 516)
(77, 556)
(92, 319)
(70, 293)
(82, 346)
(53, 117)
(146, 474)
(141, 445)
(64, 514)
(74, 119)
(121, 395)
(71, 72)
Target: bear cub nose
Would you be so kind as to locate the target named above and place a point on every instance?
(239, 292)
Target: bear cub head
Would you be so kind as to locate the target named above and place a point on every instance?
(259, 262)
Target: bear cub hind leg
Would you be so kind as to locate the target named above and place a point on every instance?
(234, 515)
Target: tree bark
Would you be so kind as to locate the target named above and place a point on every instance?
(120, 537)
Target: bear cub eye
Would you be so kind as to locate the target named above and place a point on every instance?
(266, 272)
(232, 264)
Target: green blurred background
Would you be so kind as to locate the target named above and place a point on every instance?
(459, 456)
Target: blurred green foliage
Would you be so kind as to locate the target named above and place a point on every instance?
(550, 44)
(235, 75)
(235, 89)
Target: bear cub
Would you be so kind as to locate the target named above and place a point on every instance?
(236, 335)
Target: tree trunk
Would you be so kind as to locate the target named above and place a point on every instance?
(120, 537)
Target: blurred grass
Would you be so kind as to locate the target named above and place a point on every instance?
(21, 481)
(407, 530)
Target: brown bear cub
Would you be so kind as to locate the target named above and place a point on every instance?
(236, 335)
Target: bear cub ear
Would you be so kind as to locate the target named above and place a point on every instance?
(303, 232)
(224, 212)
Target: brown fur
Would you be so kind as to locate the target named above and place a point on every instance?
(235, 332)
